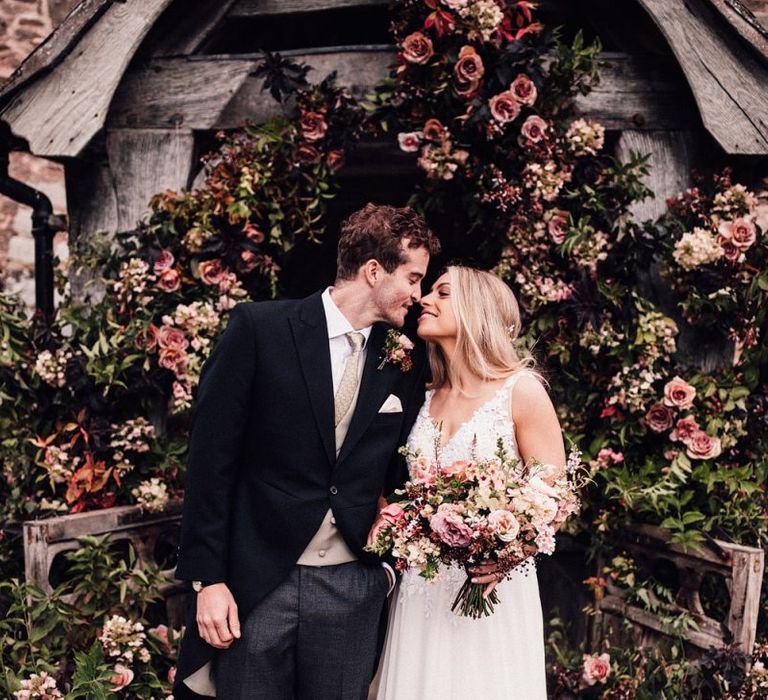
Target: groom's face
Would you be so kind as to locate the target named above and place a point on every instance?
(398, 290)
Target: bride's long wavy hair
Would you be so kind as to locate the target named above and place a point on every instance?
(488, 326)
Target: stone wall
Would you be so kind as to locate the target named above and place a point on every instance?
(23, 25)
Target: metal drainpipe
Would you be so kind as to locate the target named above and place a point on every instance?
(44, 225)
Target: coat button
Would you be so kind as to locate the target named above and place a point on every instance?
(321, 553)
(334, 490)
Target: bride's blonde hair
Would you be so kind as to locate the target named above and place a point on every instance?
(488, 325)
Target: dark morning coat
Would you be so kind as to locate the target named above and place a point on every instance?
(262, 468)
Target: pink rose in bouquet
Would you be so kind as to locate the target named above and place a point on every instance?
(448, 524)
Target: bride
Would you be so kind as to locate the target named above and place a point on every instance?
(482, 390)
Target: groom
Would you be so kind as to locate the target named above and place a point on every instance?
(298, 417)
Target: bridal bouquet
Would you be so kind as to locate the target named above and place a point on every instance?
(474, 512)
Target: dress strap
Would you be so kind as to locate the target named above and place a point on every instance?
(509, 385)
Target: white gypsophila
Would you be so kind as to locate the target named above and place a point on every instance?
(486, 15)
(695, 248)
(736, 199)
(123, 639)
(546, 180)
(57, 464)
(38, 687)
(132, 435)
(133, 280)
(585, 138)
(152, 495)
(51, 367)
(197, 318)
(661, 327)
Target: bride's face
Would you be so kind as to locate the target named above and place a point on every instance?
(437, 319)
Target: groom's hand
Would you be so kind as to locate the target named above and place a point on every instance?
(217, 618)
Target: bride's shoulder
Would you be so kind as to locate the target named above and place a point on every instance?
(528, 393)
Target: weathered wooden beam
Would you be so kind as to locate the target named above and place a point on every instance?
(258, 8)
(142, 163)
(728, 82)
(220, 92)
(672, 155)
(60, 112)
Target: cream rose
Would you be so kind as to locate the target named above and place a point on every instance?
(504, 524)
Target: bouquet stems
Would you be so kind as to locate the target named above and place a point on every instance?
(470, 602)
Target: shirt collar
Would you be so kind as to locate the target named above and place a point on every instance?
(336, 321)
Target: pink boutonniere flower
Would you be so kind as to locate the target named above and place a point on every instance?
(397, 350)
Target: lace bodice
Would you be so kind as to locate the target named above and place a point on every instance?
(477, 437)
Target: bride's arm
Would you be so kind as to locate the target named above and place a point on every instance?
(537, 428)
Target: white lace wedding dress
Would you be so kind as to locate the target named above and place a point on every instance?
(430, 652)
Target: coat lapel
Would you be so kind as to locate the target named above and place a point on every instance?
(310, 334)
(374, 387)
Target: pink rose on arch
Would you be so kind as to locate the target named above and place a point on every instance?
(596, 669)
(173, 359)
(434, 130)
(417, 48)
(684, 428)
(534, 128)
(313, 126)
(557, 225)
(307, 154)
(469, 68)
(253, 233)
(679, 393)
(410, 141)
(457, 469)
(659, 418)
(524, 90)
(227, 280)
(741, 231)
(161, 632)
(169, 281)
(504, 107)
(164, 262)
(335, 160)
(703, 446)
(211, 271)
(450, 527)
(731, 252)
(121, 677)
(172, 675)
(170, 337)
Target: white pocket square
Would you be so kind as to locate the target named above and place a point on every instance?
(391, 405)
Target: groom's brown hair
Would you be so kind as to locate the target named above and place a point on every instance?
(375, 232)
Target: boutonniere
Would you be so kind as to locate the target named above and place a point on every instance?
(397, 350)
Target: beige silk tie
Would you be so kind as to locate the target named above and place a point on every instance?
(348, 385)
